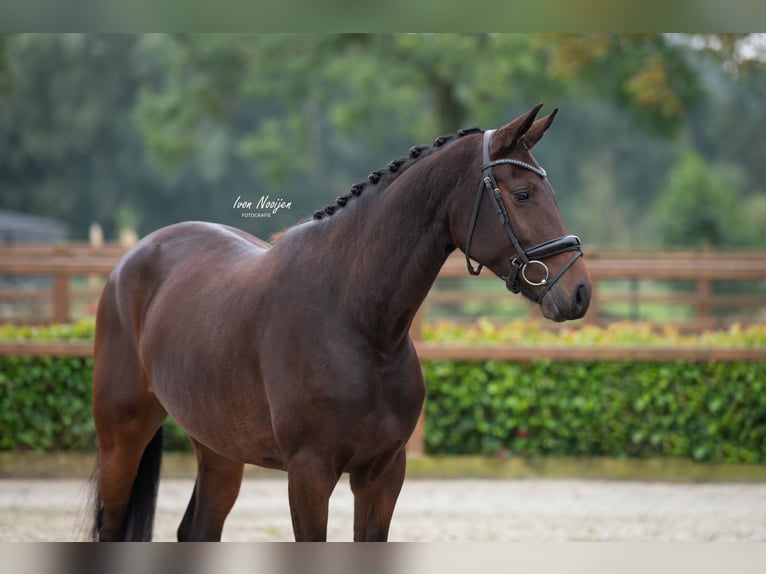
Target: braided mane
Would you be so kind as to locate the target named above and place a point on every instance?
(381, 178)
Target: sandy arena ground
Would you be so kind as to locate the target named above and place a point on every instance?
(434, 510)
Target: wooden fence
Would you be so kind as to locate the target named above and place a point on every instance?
(617, 278)
(687, 279)
(59, 264)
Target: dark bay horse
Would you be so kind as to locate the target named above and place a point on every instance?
(297, 355)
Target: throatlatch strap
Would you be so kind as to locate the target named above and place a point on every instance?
(471, 226)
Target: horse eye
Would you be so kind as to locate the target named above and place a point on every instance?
(521, 195)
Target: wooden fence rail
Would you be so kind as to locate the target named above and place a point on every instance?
(471, 352)
(61, 263)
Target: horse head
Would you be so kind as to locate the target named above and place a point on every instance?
(512, 225)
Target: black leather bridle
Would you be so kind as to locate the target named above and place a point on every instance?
(516, 281)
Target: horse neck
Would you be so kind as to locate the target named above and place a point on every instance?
(390, 247)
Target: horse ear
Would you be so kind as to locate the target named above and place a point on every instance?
(506, 138)
(535, 133)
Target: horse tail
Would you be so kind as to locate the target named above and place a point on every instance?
(139, 520)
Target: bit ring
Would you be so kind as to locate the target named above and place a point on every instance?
(543, 281)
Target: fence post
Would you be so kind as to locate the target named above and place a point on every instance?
(591, 316)
(96, 241)
(703, 299)
(60, 297)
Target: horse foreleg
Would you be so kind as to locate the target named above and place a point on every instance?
(215, 491)
(310, 482)
(375, 496)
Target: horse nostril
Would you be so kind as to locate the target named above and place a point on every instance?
(582, 297)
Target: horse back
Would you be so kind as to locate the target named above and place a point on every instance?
(170, 255)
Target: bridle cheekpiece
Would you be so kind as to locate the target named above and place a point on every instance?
(517, 281)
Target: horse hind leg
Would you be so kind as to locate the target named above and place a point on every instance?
(215, 491)
(129, 458)
(128, 420)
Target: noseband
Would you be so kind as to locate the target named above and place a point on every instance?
(517, 281)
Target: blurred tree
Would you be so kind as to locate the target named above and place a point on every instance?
(418, 84)
(177, 126)
(754, 222)
(649, 75)
(599, 194)
(5, 70)
(726, 128)
(69, 147)
(699, 207)
(606, 172)
(728, 125)
(316, 94)
(65, 145)
(307, 87)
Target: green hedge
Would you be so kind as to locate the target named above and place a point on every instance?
(713, 412)
(708, 412)
(45, 402)
(703, 411)
(45, 405)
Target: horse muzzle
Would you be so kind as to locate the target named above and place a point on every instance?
(529, 270)
(558, 309)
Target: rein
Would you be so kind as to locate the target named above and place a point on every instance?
(522, 259)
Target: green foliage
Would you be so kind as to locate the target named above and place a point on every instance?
(45, 402)
(71, 146)
(433, 83)
(83, 330)
(711, 412)
(700, 206)
(45, 405)
(5, 71)
(158, 128)
(727, 127)
(67, 148)
(645, 74)
(628, 333)
(755, 220)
